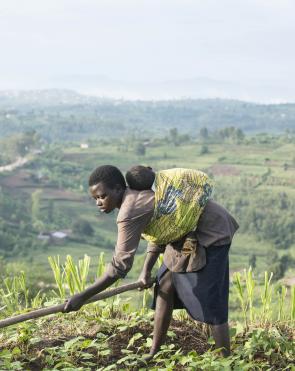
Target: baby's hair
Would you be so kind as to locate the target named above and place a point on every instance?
(107, 174)
(140, 177)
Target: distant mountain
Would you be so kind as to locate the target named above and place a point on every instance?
(67, 115)
(44, 97)
(195, 88)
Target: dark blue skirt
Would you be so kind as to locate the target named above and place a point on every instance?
(204, 294)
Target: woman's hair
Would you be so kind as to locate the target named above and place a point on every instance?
(107, 174)
(140, 177)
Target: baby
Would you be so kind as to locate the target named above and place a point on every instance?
(142, 178)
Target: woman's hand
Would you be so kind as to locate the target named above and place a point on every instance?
(74, 303)
(146, 279)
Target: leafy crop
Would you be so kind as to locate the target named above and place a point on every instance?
(109, 335)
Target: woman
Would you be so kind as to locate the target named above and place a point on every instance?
(195, 270)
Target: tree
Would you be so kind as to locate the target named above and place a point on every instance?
(35, 199)
(50, 211)
(277, 270)
(3, 269)
(287, 261)
(83, 227)
(252, 261)
(174, 136)
(204, 134)
(278, 266)
(240, 136)
(140, 149)
(204, 150)
(231, 134)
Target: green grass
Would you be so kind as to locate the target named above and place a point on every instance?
(111, 334)
(249, 160)
(243, 246)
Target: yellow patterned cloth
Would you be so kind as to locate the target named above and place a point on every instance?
(180, 197)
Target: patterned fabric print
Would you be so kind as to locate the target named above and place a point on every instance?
(180, 197)
(167, 205)
(207, 193)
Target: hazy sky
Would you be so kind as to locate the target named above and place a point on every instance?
(147, 40)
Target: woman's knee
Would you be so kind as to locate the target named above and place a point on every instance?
(166, 287)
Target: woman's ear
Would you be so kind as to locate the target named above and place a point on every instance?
(118, 188)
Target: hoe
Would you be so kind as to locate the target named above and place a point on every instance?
(59, 308)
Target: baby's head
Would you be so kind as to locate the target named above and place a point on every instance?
(140, 177)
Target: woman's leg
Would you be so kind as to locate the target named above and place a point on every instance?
(163, 312)
(221, 337)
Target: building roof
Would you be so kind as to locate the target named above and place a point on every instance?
(59, 234)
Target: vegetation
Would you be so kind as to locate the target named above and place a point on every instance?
(49, 194)
(67, 116)
(111, 335)
(253, 173)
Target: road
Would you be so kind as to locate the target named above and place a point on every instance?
(18, 163)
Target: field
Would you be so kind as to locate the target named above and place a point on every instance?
(112, 334)
(256, 183)
(262, 166)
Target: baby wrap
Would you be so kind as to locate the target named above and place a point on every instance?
(180, 197)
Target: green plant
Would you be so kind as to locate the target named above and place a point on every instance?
(239, 288)
(266, 295)
(73, 352)
(281, 293)
(58, 275)
(8, 359)
(250, 285)
(76, 276)
(292, 313)
(15, 293)
(101, 265)
(70, 275)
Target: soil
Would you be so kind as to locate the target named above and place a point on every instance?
(21, 181)
(116, 333)
(188, 337)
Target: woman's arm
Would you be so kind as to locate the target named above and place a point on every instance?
(153, 252)
(145, 275)
(76, 301)
(129, 232)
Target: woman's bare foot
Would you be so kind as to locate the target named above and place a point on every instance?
(150, 356)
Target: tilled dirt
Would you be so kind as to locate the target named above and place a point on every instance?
(112, 338)
(187, 336)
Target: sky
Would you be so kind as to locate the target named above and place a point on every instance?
(51, 42)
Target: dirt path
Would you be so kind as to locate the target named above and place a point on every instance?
(18, 163)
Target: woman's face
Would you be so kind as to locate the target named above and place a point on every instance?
(107, 199)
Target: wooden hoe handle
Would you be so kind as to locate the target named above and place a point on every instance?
(59, 308)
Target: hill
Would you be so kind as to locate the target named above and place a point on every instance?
(62, 115)
(254, 180)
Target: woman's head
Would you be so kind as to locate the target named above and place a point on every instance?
(140, 177)
(107, 185)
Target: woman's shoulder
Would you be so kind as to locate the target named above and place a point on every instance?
(215, 212)
(135, 204)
